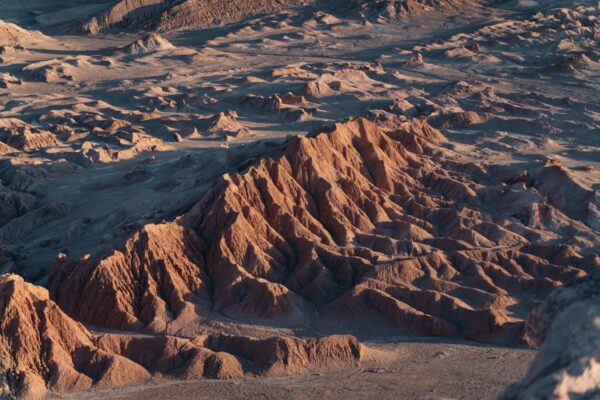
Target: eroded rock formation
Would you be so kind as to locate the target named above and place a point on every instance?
(177, 15)
(43, 349)
(344, 229)
(407, 8)
(149, 44)
(12, 34)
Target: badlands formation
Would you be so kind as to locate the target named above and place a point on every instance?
(299, 199)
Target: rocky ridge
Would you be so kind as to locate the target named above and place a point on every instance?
(177, 15)
(392, 9)
(169, 16)
(12, 34)
(345, 228)
(42, 349)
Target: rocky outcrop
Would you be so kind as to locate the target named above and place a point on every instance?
(345, 229)
(191, 14)
(566, 366)
(151, 43)
(42, 349)
(124, 14)
(6, 149)
(224, 124)
(8, 81)
(406, 8)
(12, 34)
(285, 355)
(17, 134)
(172, 357)
(130, 282)
(177, 15)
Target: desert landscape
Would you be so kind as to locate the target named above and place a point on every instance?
(305, 199)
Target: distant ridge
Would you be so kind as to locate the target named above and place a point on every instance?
(12, 34)
(406, 8)
(171, 15)
(164, 16)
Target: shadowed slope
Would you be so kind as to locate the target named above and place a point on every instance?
(567, 365)
(406, 8)
(177, 15)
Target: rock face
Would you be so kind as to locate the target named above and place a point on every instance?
(176, 15)
(42, 349)
(406, 8)
(151, 43)
(279, 355)
(124, 14)
(11, 34)
(17, 134)
(567, 325)
(346, 230)
(191, 14)
(6, 149)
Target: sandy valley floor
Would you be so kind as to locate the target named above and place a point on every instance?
(424, 369)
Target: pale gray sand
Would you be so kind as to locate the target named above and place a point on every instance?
(432, 370)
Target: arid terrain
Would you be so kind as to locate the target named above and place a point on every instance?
(299, 199)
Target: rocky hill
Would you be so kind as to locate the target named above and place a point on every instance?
(12, 34)
(167, 16)
(177, 15)
(42, 349)
(344, 229)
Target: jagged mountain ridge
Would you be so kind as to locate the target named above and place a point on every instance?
(382, 229)
(177, 15)
(346, 228)
(167, 16)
